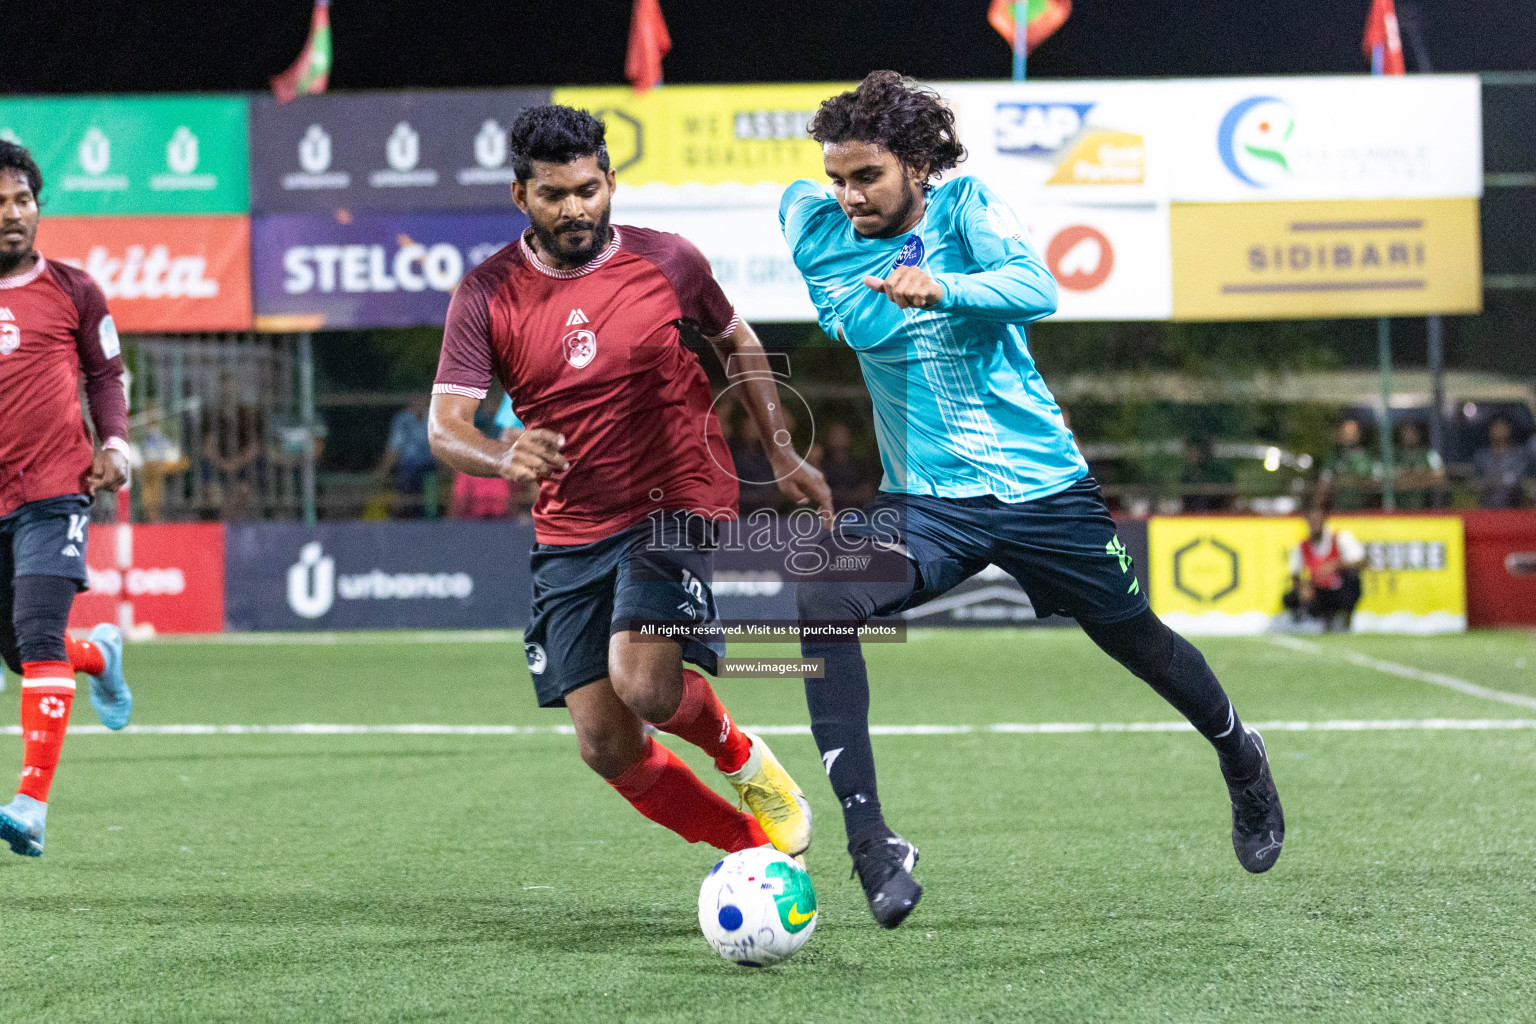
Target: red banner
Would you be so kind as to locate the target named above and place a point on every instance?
(160, 579)
(1501, 568)
(161, 273)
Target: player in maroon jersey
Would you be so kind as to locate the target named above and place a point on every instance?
(54, 325)
(582, 323)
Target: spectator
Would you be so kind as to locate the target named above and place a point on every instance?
(1350, 474)
(1325, 573)
(1500, 466)
(233, 468)
(157, 458)
(849, 477)
(408, 460)
(1420, 473)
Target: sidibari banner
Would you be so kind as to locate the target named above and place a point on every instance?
(448, 575)
(1227, 575)
(135, 154)
(417, 150)
(161, 273)
(368, 270)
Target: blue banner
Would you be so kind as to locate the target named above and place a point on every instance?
(368, 270)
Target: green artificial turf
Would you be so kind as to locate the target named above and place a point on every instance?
(1070, 877)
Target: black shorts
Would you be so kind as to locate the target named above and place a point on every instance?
(658, 570)
(46, 538)
(1063, 549)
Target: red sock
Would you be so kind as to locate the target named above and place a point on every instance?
(664, 789)
(85, 656)
(47, 690)
(703, 721)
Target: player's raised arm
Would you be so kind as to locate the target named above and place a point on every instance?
(796, 477)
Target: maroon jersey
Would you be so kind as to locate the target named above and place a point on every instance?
(54, 326)
(596, 354)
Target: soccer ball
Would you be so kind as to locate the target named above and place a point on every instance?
(757, 907)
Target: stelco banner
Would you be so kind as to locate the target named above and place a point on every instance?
(127, 155)
(419, 150)
(369, 270)
(159, 579)
(161, 273)
(287, 576)
(1227, 575)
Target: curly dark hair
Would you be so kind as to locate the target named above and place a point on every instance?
(555, 134)
(19, 158)
(892, 110)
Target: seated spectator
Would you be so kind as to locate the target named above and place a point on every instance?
(1350, 474)
(157, 458)
(408, 459)
(234, 448)
(1420, 473)
(1325, 573)
(1500, 467)
(848, 477)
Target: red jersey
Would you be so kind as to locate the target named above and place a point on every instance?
(596, 354)
(1340, 546)
(54, 326)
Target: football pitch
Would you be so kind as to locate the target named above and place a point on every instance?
(1076, 860)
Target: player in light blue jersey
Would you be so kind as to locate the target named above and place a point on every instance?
(931, 285)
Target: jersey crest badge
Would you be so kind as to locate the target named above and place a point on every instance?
(576, 319)
(912, 252)
(580, 347)
(10, 339)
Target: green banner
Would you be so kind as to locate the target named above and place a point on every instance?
(134, 155)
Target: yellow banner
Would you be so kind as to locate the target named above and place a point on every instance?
(1254, 261)
(1214, 574)
(683, 134)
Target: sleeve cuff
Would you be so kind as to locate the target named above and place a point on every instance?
(460, 389)
(730, 328)
(116, 444)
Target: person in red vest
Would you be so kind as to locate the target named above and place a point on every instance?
(54, 330)
(1325, 573)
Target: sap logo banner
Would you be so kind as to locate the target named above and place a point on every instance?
(369, 270)
(445, 575)
(1038, 129)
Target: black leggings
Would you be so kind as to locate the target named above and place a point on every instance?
(34, 613)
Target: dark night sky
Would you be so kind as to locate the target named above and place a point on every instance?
(177, 45)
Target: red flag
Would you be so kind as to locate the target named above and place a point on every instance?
(648, 43)
(1044, 17)
(1383, 44)
(312, 71)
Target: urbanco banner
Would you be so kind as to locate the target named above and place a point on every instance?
(369, 270)
(161, 273)
(410, 150)
(135, 154)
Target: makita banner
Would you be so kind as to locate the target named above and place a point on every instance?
(443, 575)
(161, 273)
(419, 150)
(369, 270)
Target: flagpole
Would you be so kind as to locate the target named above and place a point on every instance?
(1384, 360)
(1020, 35)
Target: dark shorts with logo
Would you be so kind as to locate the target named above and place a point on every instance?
(45, 538)
(1063, 549)
(656, 571)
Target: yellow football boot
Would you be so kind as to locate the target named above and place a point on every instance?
(773, 798)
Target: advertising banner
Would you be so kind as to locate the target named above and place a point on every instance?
(1094, 142)
(1256, 261)
(1501, 567)
(1345, 137)
(135, 154)
(161, 273)
(368, 270)
(1109, 262)
(709, 134)
(155, 579)
(1227, 575)
(408, 150)
(443, 575)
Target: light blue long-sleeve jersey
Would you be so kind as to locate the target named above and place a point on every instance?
(960, 409)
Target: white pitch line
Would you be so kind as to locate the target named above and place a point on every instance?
(1014, 728)
(1392, 668)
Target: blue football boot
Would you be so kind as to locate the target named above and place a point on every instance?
(109, 691)
(21, 825)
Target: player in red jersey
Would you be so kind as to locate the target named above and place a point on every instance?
(54, 325)
(582, 323)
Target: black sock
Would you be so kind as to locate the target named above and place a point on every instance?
(1177, 670)
(839, 706)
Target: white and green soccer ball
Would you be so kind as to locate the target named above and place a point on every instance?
(757, 907)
